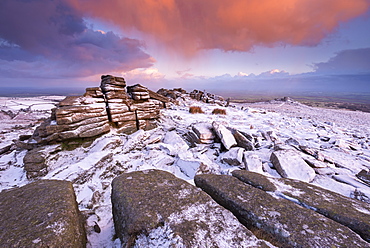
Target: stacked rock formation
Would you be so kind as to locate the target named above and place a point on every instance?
(99, 110)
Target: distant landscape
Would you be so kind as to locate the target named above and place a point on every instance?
(350, 101)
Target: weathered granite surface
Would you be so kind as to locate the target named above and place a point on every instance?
(155, 209)
(347, 211)
(41, 214)
(283, 221)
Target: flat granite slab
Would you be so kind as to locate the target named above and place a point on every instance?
(288, 224)
(347, 211)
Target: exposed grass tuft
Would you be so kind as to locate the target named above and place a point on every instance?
(195, 110)
(218, 111)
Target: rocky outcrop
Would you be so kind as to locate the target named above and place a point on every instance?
(101, 108)
(207, 97)
(155, 209)
(349, 212)
(195, 94)
(41, 214)
(172, 94)
(78, 119)
(283, 222)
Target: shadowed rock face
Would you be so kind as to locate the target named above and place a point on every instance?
(286, 222)
(41, 214)
(155, 209)
(349, 212)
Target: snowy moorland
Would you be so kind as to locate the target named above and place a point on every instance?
(342, 137)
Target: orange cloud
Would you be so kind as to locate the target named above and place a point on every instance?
(233, 25)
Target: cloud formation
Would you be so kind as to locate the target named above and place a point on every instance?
(233, 25)
(44, 38)
(352, 61)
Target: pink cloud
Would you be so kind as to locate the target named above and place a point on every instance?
(234, 25)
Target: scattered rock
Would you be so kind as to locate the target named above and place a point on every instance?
(225, 135)
(252, 162)
(35, 163)
(364, 176)
(174, 144)
(293, 142)
(204, 132)
(233, 157)
(41, 214)
(313, 162)
(242, 141)
(155, 209)
(274, 216)
(351, 180)
(6, 149)
(290, 165)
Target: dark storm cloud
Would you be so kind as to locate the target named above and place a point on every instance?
(353, 61)
(48, 38)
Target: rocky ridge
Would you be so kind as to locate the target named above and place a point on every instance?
(294, 159)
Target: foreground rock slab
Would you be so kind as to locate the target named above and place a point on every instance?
(349, 212)
(155, 209)
(41, 214)
(287, 224)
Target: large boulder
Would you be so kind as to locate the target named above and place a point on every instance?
(286, 223)
(155, 209)
(290, 165)
(41, 214)
(349, 212)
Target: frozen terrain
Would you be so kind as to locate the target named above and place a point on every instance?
(342, 137)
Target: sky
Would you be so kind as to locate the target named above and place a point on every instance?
(222, 45)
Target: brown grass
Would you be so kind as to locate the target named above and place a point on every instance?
(218, 111)
(195, 110)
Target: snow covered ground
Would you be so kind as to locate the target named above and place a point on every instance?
(342, 136)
